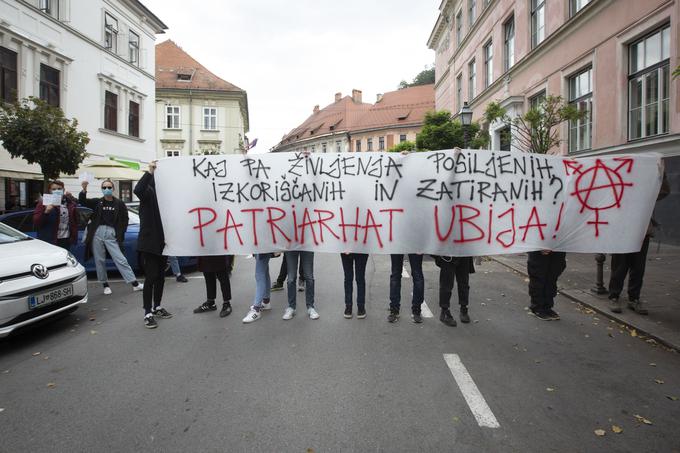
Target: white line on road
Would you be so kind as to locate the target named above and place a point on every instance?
(404, 274)
(425, 311)
(471, 393)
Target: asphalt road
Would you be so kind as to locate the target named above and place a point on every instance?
(102, 382)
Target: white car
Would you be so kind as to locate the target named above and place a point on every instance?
(37, 280)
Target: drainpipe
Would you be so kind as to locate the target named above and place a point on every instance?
(191, 124)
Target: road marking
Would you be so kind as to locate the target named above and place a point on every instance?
(404, 273)
(425, 311)
(471, 393)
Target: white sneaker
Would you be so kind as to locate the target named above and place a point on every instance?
(313, 314)
(107, 290)
(301, 286)
(289, 313)
(252, 316)
(139, 287)
(266, 307)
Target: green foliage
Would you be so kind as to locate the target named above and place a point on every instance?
(424, 77)
(440, 131)
(676, 72)
(403, 146)
(537, 130)
(33, 130)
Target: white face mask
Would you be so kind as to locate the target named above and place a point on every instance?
(58, 192)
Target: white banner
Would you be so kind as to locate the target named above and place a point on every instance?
(461, 202)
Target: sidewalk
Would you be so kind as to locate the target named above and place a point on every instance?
(661, 290)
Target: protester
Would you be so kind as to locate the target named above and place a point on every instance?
(544, 268)
(150, 245)
(452, 269)
(106, 232)
(216, 268)
(57, 224)
(262, 287)
(307, 262)
(283, 274)
(173, 265)
(633, 264)
(354, 267)
(416, 261)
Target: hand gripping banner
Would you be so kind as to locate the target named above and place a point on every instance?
(453, 202)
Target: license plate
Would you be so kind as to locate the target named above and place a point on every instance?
(50, 297)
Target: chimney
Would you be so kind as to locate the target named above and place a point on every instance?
(356, 96)
(378, 97)
(316, 108)
(338, 96)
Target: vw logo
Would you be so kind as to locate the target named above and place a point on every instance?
(40, 271)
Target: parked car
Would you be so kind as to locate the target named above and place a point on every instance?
(37, 280)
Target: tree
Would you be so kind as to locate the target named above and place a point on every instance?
(424, 77)
(40, 133)
(440, 131)
(403, 146)
(537, 130)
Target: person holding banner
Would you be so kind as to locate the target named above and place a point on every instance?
(216, 268)
(150, 245)
(283, 273)
(416, 262)
(354, 267)
(106, 232)
(57, 221)
(262, 287)
(307, 262)
(544, 268)
(454, 269)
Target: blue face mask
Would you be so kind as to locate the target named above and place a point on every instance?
(107, 192)
(58, 192)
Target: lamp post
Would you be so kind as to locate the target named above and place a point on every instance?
(466, 119)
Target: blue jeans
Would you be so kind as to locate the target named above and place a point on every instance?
(307, 262)
(105, 240)
(416, 262)
(354, 266)
(174, 265)
(263, 281)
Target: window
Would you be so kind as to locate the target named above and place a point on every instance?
(488, 64)
(581, 97)
(171, 153)
(323, 147)
(110, 33)
(337, 146)
(210, 118)
(111, 111)
(133, 48)
(459, 27)
(49, 85)
(8, 75)
(459, 92)
(472, 79)
(402, 138)
(509, 44)
(537, 22)
(133, 119)
(577, 5)
(648, 85)
(313, 148)
(369, 144)
(125, 188)
(472, 4)
(536, 100)
(358, 146)
(381, 143)
(172, 117)
(50, 7)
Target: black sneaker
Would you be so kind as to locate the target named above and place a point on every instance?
(182, 279)
(447, 318)
(149, 322)
(393, 316)
(543, 315)
(208, 305)
(554, 316)
(277, 286)
(226, 310)
(615, 305)
(416, 317)
(464, 317)
(348, 312)
(361, 313)
(638, 306)
(162, 312)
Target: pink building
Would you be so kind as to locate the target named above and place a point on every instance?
(613, 58)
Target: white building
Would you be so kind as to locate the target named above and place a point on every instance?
(93, 58)
(196, 111)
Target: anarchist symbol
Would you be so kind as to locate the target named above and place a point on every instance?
(599, 187)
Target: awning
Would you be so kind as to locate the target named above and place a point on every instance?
(111, 169)
(19, 175)
(129, 163)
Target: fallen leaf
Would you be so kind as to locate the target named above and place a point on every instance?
(46, 357)
(633, 333)
(51, 385)
(36, 353)
(652, 364)
(672, 398)
(93, 318)
(93, 332)
(587, 336)
(641, 419)
(310, 450)
(658, 381)
(600, 432)
(617, 429)
(550, 389)
(455, 419)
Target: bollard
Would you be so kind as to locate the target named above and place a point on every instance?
(599, 288)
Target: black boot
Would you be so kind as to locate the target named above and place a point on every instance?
(464, 317)
(226, 310)
(446, 318)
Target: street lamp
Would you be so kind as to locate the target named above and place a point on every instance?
(466, 119)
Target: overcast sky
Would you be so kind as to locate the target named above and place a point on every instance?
(290, 56)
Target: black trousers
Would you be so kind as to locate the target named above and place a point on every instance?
(456, 270)
(154, 272)
(354, 267)
(544, 270)
(211, 279)
(283, 273)
(622, 263)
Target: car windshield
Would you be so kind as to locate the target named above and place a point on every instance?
(9, 235)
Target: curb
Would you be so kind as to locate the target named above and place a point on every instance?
(569, 294)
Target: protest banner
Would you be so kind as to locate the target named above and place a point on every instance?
(453, 202)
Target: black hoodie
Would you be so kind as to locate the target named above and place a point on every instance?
(151, 237)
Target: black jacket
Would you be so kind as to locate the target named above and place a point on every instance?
(120, 220)
(151, 237)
